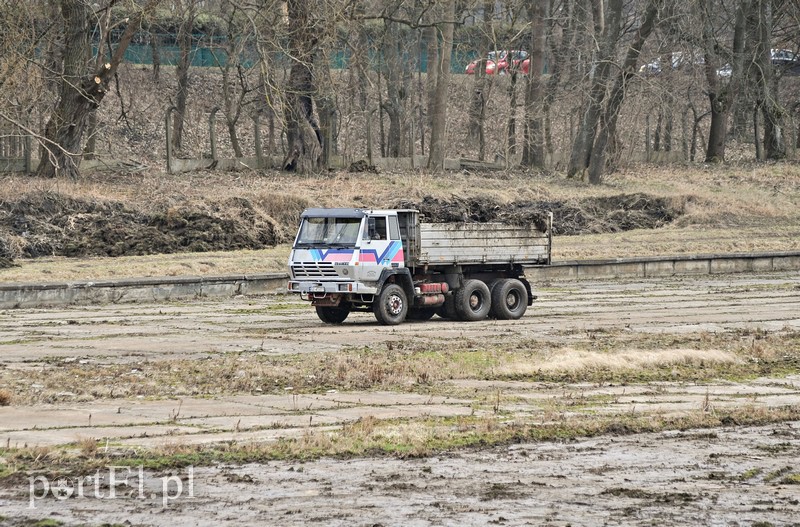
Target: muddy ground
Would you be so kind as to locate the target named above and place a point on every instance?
(727, 475)
(52, 224)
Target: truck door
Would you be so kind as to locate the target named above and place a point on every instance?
(380, 244)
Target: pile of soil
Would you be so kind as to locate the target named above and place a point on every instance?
(51, 224)
(587, 216)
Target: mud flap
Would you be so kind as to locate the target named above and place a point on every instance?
(332, 300)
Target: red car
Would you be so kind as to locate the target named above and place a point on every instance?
(498, 62)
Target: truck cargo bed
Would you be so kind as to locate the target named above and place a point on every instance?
(482, 243)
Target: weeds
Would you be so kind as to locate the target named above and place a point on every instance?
(416, 367)
(401, 438)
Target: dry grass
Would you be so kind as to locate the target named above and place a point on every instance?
(572, 361)
(419, 367)
(59, 268)
(406, 438)
(6, 397)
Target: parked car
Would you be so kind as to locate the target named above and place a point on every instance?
(503, 62)
(676, 60)
(783, 57)
(785, 60)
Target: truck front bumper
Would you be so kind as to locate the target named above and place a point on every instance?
(317, 289)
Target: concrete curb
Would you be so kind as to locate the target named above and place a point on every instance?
(19, 295)
(658, 266)
(138, 289)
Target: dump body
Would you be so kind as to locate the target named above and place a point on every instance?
(391, 263)
(482, 243)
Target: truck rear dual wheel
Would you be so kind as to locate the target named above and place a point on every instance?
(333, 315)
(391, 305)
(509, 299)
(473, 301)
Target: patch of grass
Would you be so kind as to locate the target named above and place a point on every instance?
(791, 479)
(423, 367)
(749, 474)
(777, 474)
(401, 438)
(47, 522)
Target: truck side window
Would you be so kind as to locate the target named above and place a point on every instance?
(394, 228)
(377, 228)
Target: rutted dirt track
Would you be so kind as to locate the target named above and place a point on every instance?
(723, 476)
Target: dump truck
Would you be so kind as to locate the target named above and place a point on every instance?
(399, 267)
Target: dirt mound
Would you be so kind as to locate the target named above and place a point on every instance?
(592, 215)
(52, 224)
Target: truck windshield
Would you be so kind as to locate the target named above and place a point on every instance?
(329, 232)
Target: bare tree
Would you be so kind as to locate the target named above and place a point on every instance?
(482, 85)
(398, 89)
(303, 134)
(721, 94)
(533, 153)
(606, 135)
(607, 27)
(81, 90)
(231, 61)
(767, 98)
(186, 11)
(439, 106)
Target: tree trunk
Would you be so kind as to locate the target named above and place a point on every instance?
(395, 103)
(303, 134)
(360, 68)
(511, 127)
(482, 87)
(721, 97)
(607, 32)
(439, 113)
(182, 73)
(432, 37)
(62, 154)
(533, 152)
(155, 48)
(774, 143)
(80, 92)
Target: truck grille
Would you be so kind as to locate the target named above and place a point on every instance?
(314, 270)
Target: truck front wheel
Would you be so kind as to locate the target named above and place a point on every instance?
(473, 301)
(509, 299)
(391, 305)
(333, 315)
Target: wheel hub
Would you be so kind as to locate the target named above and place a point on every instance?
(511, 300)
(395, 304)
(475, 302)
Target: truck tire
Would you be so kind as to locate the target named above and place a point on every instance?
(391, 305)
(473, 301)
(421, 313)
(509, 299)
(333, 315)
